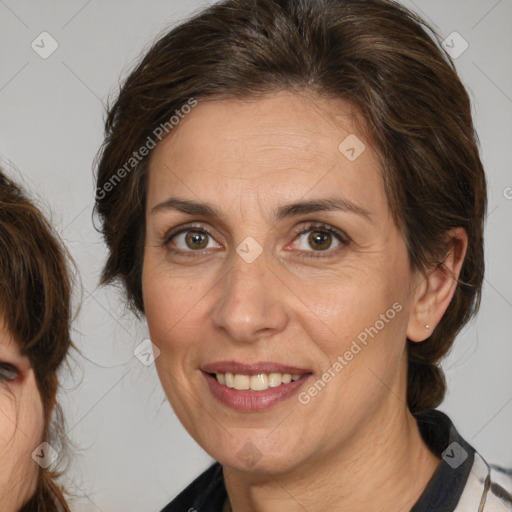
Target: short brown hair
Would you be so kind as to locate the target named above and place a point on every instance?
(35, 295)
(374, 53)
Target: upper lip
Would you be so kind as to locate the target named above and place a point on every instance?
(252, 369)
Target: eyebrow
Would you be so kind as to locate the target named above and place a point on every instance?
(287, 210)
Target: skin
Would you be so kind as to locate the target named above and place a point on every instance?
(21, 424)
(355, 446)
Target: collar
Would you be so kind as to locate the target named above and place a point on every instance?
(447, 484)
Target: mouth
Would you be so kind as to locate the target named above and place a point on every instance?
(253, 387)
(258, 382)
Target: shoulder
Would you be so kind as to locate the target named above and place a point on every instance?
(205, 494)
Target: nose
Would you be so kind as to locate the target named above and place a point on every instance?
(252, 301)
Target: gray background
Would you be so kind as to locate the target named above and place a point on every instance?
(132, 454)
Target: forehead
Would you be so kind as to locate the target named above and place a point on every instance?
(279, 147)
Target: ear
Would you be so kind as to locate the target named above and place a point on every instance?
(434, 291)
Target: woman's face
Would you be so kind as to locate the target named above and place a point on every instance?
(238, 281)
(21, 424)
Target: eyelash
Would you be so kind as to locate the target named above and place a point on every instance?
(9, 369)
(319, 226)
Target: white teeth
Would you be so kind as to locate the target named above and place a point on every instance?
(259, 382)
(230, 380)
(275, 379)
(242, 382)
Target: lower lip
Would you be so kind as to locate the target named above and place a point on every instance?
(253, 400)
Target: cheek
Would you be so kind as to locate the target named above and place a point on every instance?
(174, 316)
(366, 312)
(172, 299)
(21, 431)
(22, 411)
(338, 308)
(167, 304)
(357, 320)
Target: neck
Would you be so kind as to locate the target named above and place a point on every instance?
(384, 468)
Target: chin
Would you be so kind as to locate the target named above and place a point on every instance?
(254, 452)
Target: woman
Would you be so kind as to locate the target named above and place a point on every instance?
(292, 195)
(35, 316)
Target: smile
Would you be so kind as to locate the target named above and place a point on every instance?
(253, 387)
(258, 382)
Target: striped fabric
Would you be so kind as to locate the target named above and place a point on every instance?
(488, 489)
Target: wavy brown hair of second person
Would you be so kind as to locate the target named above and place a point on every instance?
(35, 305)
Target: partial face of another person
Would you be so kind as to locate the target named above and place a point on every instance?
(21, 424)
(267, 291)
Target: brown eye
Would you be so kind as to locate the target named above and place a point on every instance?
(321, 237)
(196, 239)
(190, 239)
(8, 372)
(320, 240)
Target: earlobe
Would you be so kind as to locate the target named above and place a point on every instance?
(436, 288)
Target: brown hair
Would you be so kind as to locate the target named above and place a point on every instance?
(35, 295)
(375, 54)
